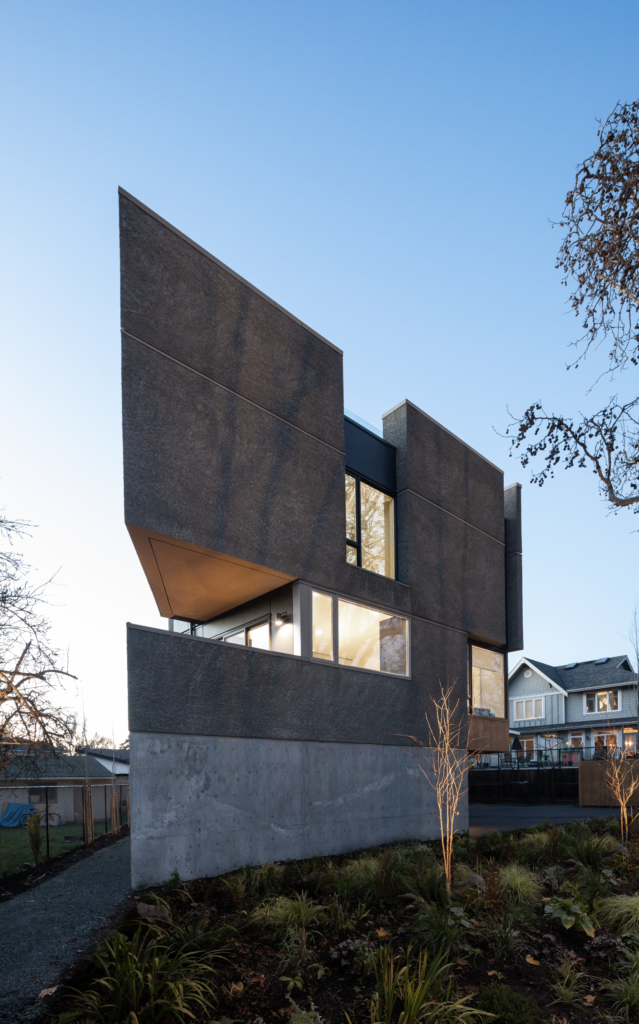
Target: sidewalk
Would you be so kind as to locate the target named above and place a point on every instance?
(47, 929)
(484, 818)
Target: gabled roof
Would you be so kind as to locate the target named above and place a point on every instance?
(546, 671)
(584, 675)
(58, 766)
(107, 753)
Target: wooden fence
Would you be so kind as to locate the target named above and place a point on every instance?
(593, 791)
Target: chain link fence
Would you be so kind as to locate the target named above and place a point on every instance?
(70, 815)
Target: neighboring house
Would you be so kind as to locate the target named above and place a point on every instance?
(588, 704)
(117, 761)
(26, 780)
(321, 583)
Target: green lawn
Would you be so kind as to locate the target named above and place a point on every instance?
(15, 849)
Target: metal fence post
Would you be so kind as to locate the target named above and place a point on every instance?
(46, 811)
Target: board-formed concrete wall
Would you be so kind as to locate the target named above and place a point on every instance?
(239, 801)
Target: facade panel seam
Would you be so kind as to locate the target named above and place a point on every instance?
(238, 394)
(407, 490)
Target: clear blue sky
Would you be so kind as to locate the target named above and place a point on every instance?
(385, 170)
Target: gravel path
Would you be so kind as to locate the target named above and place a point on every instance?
(484, 818)
(45, 930)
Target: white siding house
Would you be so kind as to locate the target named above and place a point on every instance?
(583, 705)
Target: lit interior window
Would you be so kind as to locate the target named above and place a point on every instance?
(236, 638)
(259, 636)
(368, 638)
(488, 683)
(322, 626)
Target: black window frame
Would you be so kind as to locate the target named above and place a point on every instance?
(357, 545)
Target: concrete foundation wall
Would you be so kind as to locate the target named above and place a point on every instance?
(210, 804)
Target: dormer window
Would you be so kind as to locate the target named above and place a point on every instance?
(370, 527)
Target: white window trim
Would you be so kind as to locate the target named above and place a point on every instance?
(536, 718)
(601, 690)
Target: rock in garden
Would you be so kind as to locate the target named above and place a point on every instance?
(151, 910)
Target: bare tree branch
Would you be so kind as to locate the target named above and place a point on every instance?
(599, 259)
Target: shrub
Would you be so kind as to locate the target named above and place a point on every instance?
(417, 990)
(444, 932)
(143, 978)
(571, 914)
(35, 836)
(425, 877)
(508, 1006)
(518, 885)
(502, 938)
(620, 913)
(265, 880)
(569, 985)
(357, 879)
(624, 996)
(591, 850)
(595, 883)
(280, 913)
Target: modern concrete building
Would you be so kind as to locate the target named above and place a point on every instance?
(321, 583)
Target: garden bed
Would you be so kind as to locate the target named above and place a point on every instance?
(541, 923)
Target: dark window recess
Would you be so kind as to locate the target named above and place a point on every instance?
(370, 456)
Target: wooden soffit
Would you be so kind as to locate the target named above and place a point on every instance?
(191, 582)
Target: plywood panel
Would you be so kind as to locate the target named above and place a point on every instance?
(489, 735)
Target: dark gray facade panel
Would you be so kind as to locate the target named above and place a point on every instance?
(436, 465)
(206, 467)
(370, 456)
(512, 516)
(514, 603)
(176, 298)
(203, 466)
(514, 581)
(232, 691)
(457, 573)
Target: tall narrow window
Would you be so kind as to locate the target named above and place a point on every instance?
(370, 527)
(322, 646)
(488, 683)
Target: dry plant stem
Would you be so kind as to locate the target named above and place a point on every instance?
(622, 783)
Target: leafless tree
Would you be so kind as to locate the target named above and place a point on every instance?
(448, 768)
(30, 719)
(599, 260)
(622, 779)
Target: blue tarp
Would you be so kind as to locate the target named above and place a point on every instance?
(13, 813)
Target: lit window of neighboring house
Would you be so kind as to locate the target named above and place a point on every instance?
(576, 740)
(605, 739)
(533, 708)
(602, 701)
